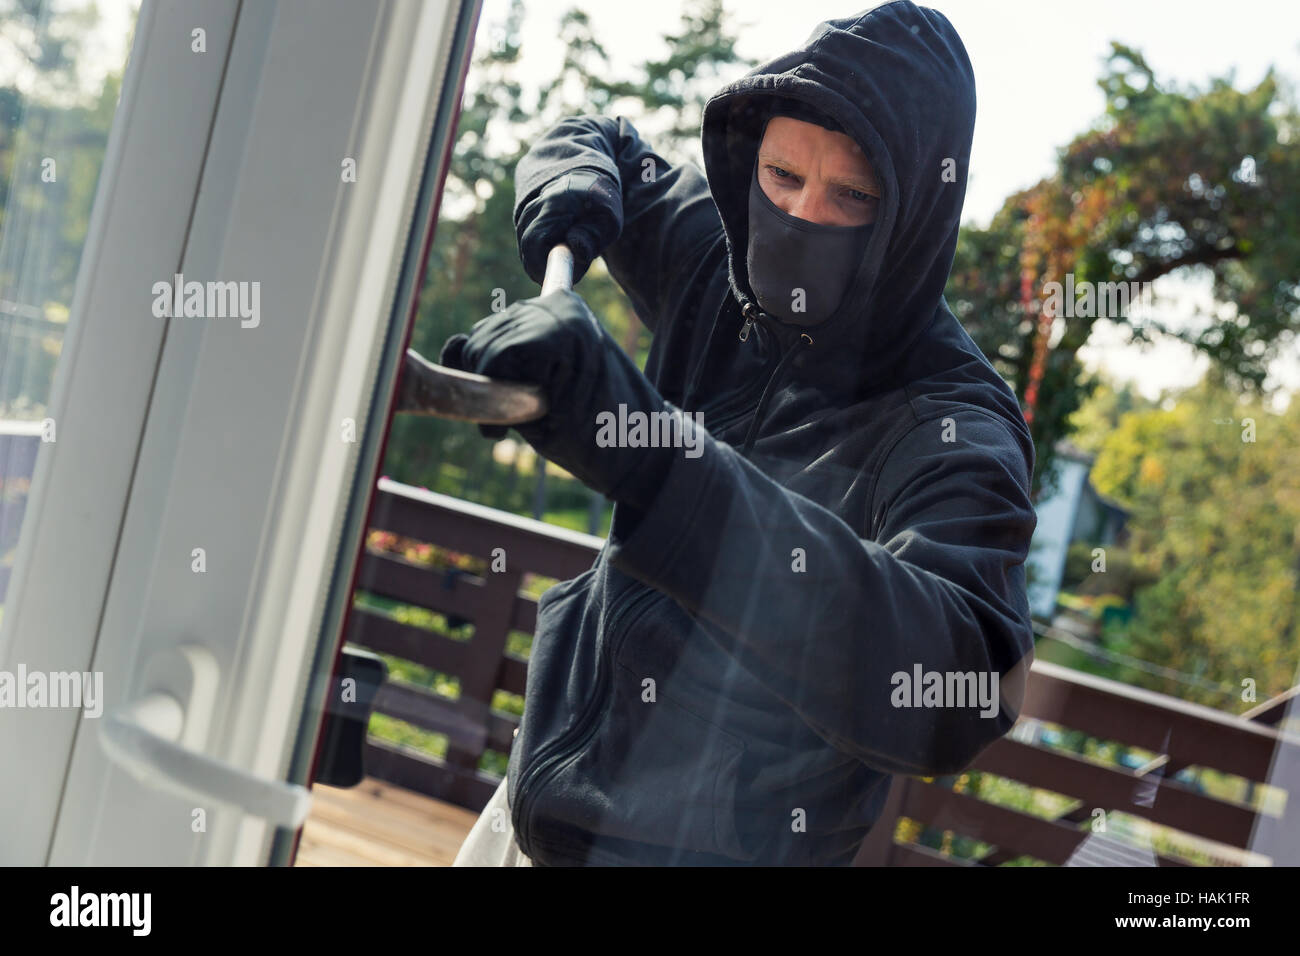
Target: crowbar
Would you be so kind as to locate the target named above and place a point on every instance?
(427, 388)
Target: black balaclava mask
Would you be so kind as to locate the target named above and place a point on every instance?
(798, 269)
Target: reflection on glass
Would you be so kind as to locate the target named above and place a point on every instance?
(61, 69)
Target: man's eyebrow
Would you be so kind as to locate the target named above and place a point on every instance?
(866, 184)
(768, 157)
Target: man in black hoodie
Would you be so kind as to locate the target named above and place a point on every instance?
(814, 577)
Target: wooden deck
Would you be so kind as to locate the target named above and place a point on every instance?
(379, 824)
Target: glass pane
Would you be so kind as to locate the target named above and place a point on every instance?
(61, 67)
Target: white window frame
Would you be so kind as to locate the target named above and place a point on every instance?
(181, 433)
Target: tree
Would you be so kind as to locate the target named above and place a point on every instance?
(1213, 486)
(1097, 417)
(1167, 180)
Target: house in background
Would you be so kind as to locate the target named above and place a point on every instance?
(1072, 511)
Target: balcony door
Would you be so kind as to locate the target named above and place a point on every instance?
(217, 410)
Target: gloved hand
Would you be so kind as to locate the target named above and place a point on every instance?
(555, 342)
(583, 208)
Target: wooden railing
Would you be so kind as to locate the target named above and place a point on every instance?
(1180, 734)
(495, 606)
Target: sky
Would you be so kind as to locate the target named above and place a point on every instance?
(1036, 67)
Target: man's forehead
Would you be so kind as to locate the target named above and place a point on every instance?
(787, 129)
(795, 139)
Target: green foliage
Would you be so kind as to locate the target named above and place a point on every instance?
(519, 644)
(427, 743)
(1167, 180)
(494, 762)
(1093, 421)
(1120, 581)
(1215, 533)
(507, 703)
(403, 734)
(47, 110)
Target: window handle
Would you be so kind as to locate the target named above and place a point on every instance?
(147, 739)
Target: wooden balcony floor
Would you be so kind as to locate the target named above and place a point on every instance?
(378, 824)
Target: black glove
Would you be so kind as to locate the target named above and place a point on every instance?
(583, 208)
(555, 342)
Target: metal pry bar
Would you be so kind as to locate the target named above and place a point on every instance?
(427, 388)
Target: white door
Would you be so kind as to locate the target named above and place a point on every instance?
(190, 533)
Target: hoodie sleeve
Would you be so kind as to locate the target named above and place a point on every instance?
(668, 212)
(827, 618)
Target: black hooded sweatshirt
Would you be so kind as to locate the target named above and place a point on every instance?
(730, 682)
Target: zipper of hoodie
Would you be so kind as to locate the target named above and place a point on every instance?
(724, 414)
(752, 314)
(579, 735)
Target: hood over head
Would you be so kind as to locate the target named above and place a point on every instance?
(897, 79)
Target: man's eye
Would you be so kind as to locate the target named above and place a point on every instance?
(857, 195)
(780, 173)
